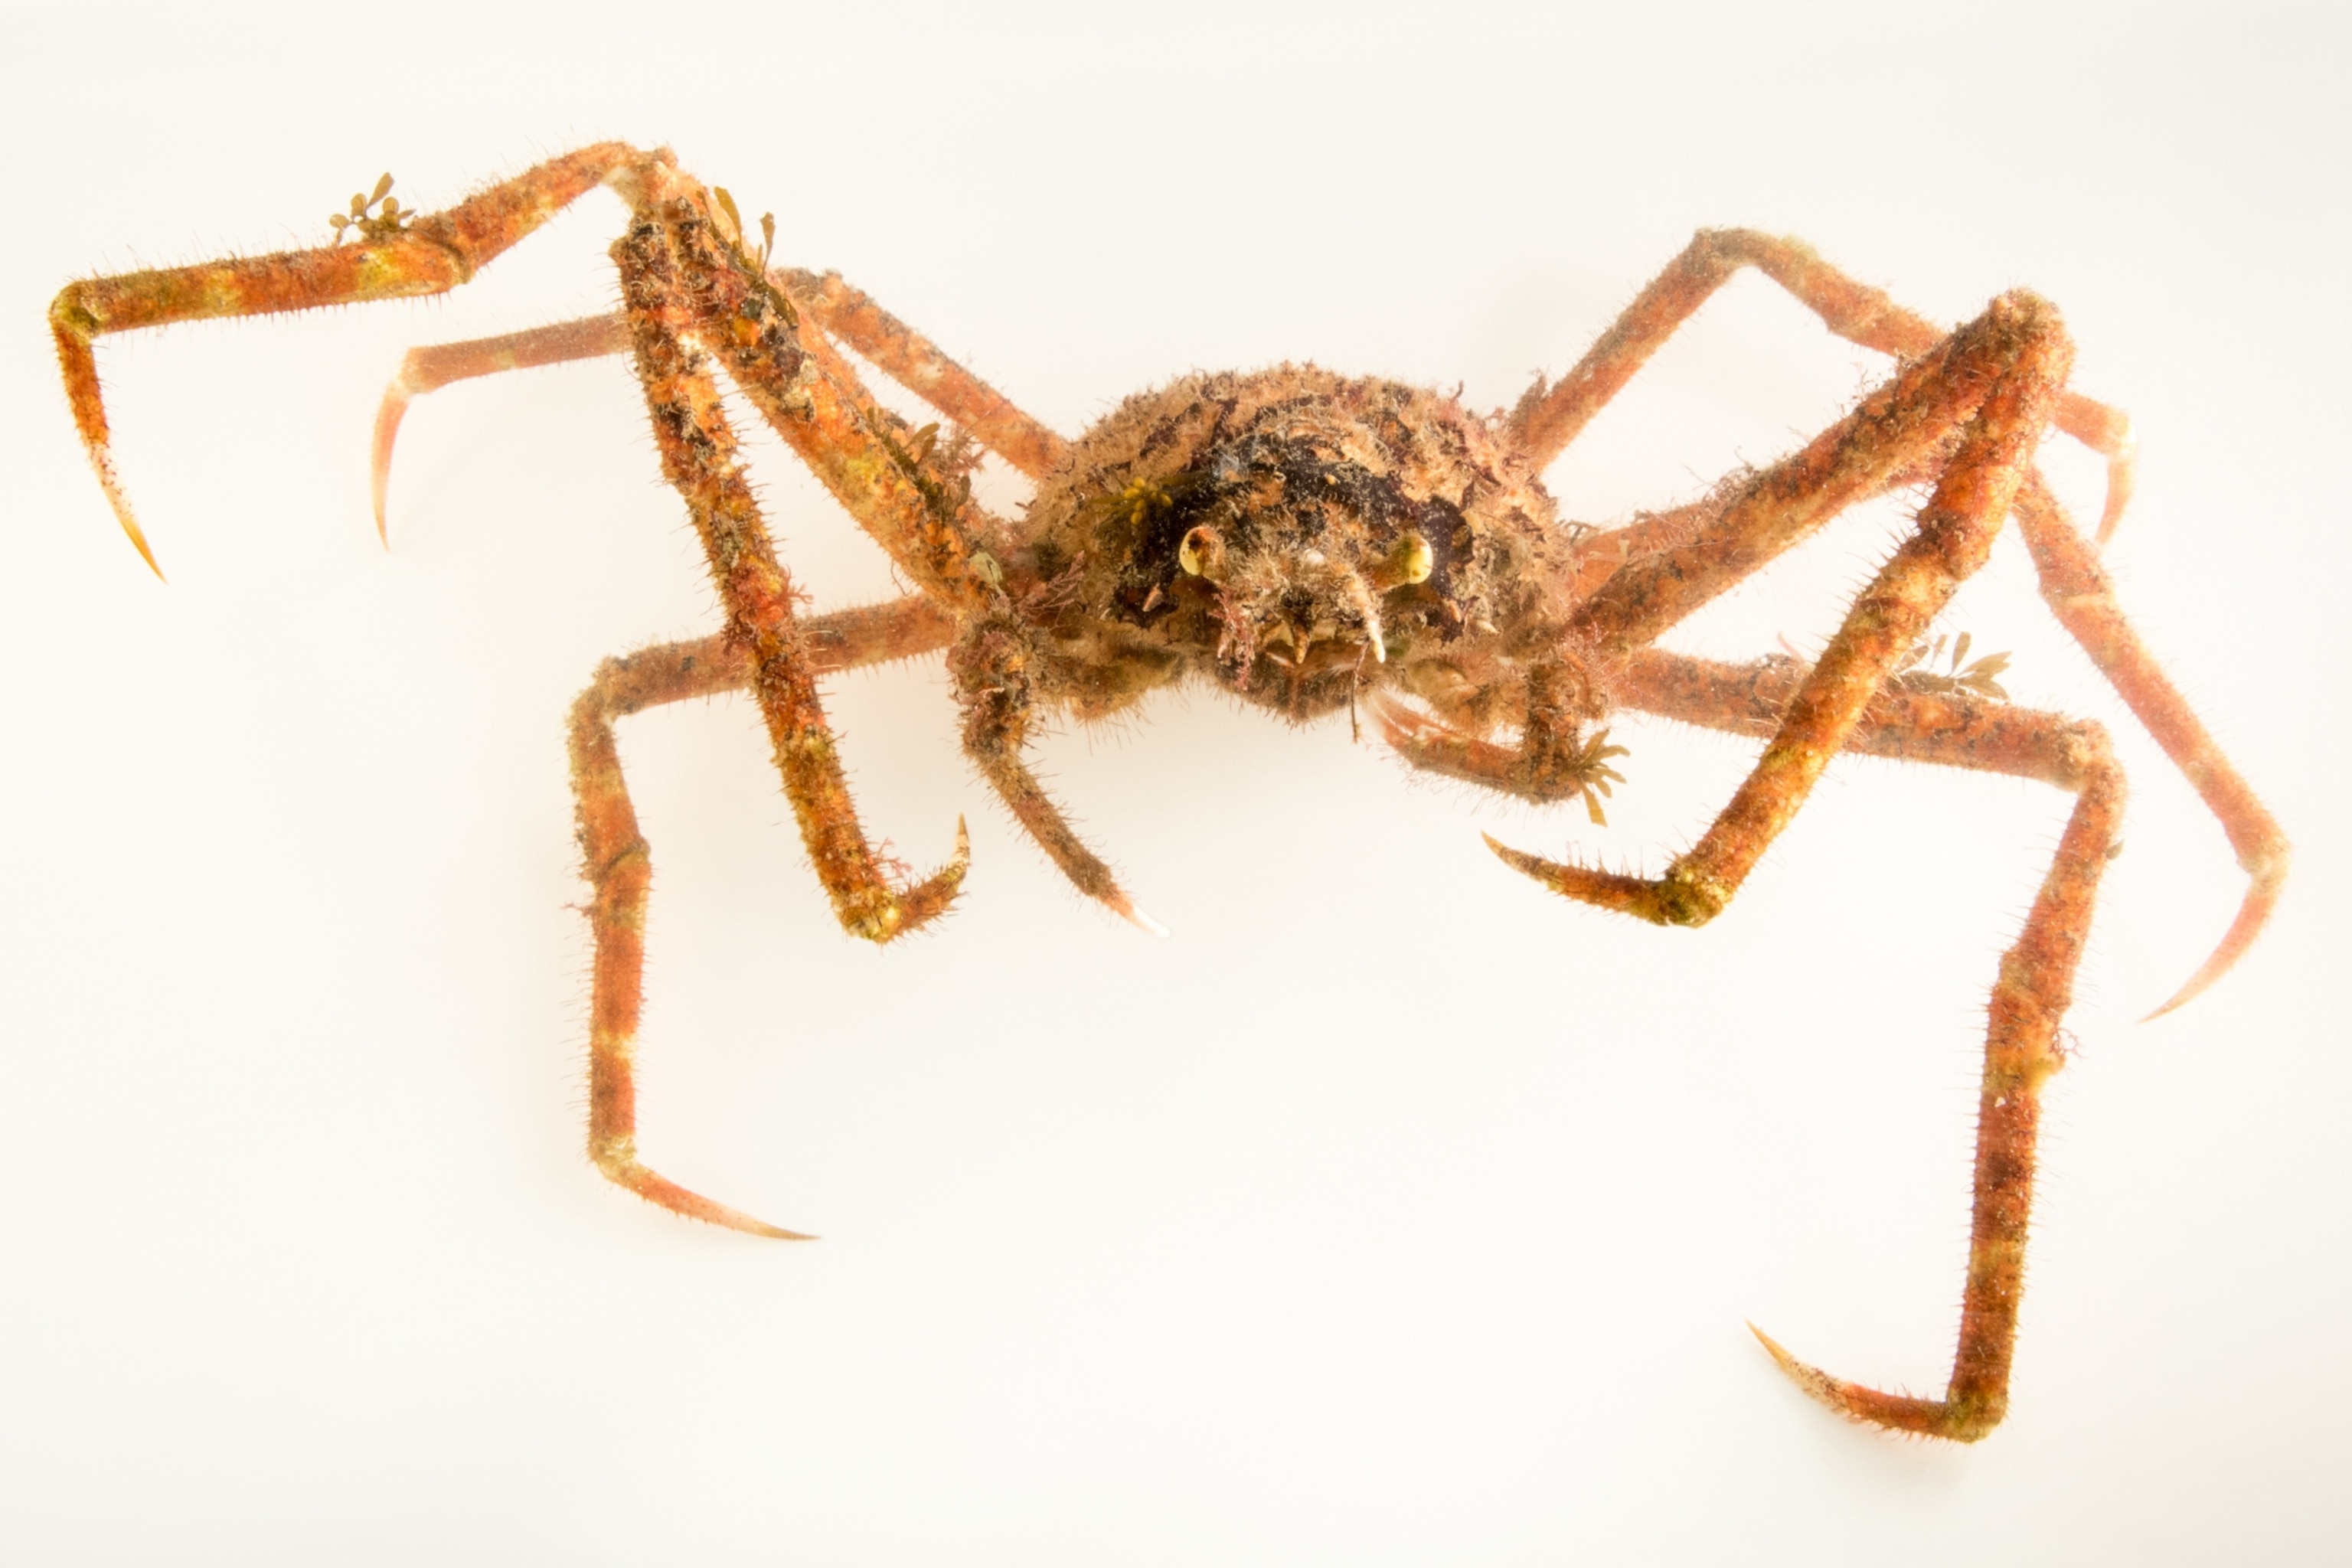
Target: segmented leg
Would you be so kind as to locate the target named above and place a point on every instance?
(1996, 379)
(904, 354)
(684, 274)
(619, 866)
(2029, 999)
(915, 363)
(1547, 420)
(660, 284)
(437, 365)
(2072, 582)
(1554, 759)
(432, 255)
(991, 666)
(2082, 596)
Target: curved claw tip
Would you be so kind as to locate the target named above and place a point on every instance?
(130, 528)
(1520, 860)
(663, 1193)
(139, 542)
(2253, 915)
(1816, 1383)
(388, 416)
(1141, 921)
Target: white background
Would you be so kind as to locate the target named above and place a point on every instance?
(1392, 1210)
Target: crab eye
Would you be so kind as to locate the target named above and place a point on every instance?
(1410, 562)
(1203, 553)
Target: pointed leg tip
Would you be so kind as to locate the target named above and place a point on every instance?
(133, 533)
(1817, 1384)
(2253, 914)
(1953, 1421)
(1142, 921)
(1520, 860)
(623, 1170)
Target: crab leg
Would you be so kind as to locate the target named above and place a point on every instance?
(915, 363)
(905, 355)
(2081, 594)
(1547, 420)
(698, 457)
(618, 865)
(2031, 995)
(2072, 582)
(1998, 377)
(428, 369)
(989, 665)
(433, 255)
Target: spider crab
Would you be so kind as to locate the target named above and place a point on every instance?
(1310, 542)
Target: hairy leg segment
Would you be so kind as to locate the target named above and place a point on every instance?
(2072, 582)
(689, 291)
(618, 864)
(2030, 993)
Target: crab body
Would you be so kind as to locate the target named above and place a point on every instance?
(1297, 537)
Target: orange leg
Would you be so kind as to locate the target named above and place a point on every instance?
(429, 369)
(847, 313)
(991, 664)
(1995, 379)
(684, 276)
(666, 277)
(2072, 582)
(915, 363)
(2030, 997)
(619, 866)
(1547, 420)
(2080, 593)
(433, 254)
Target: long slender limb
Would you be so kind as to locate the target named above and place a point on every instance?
(1683, 559)
(429, 369)
(2029, 999)
(904, 354)
(2081, 594)
(2000, 374)
(1547, 420)
(990, 664)
(2072, 582)
(915, 363)
(801, 377)
(619, 866)
(433, 254)
(698, 457)
(2031, 996)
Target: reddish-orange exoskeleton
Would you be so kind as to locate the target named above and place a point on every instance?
(1310, 544)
